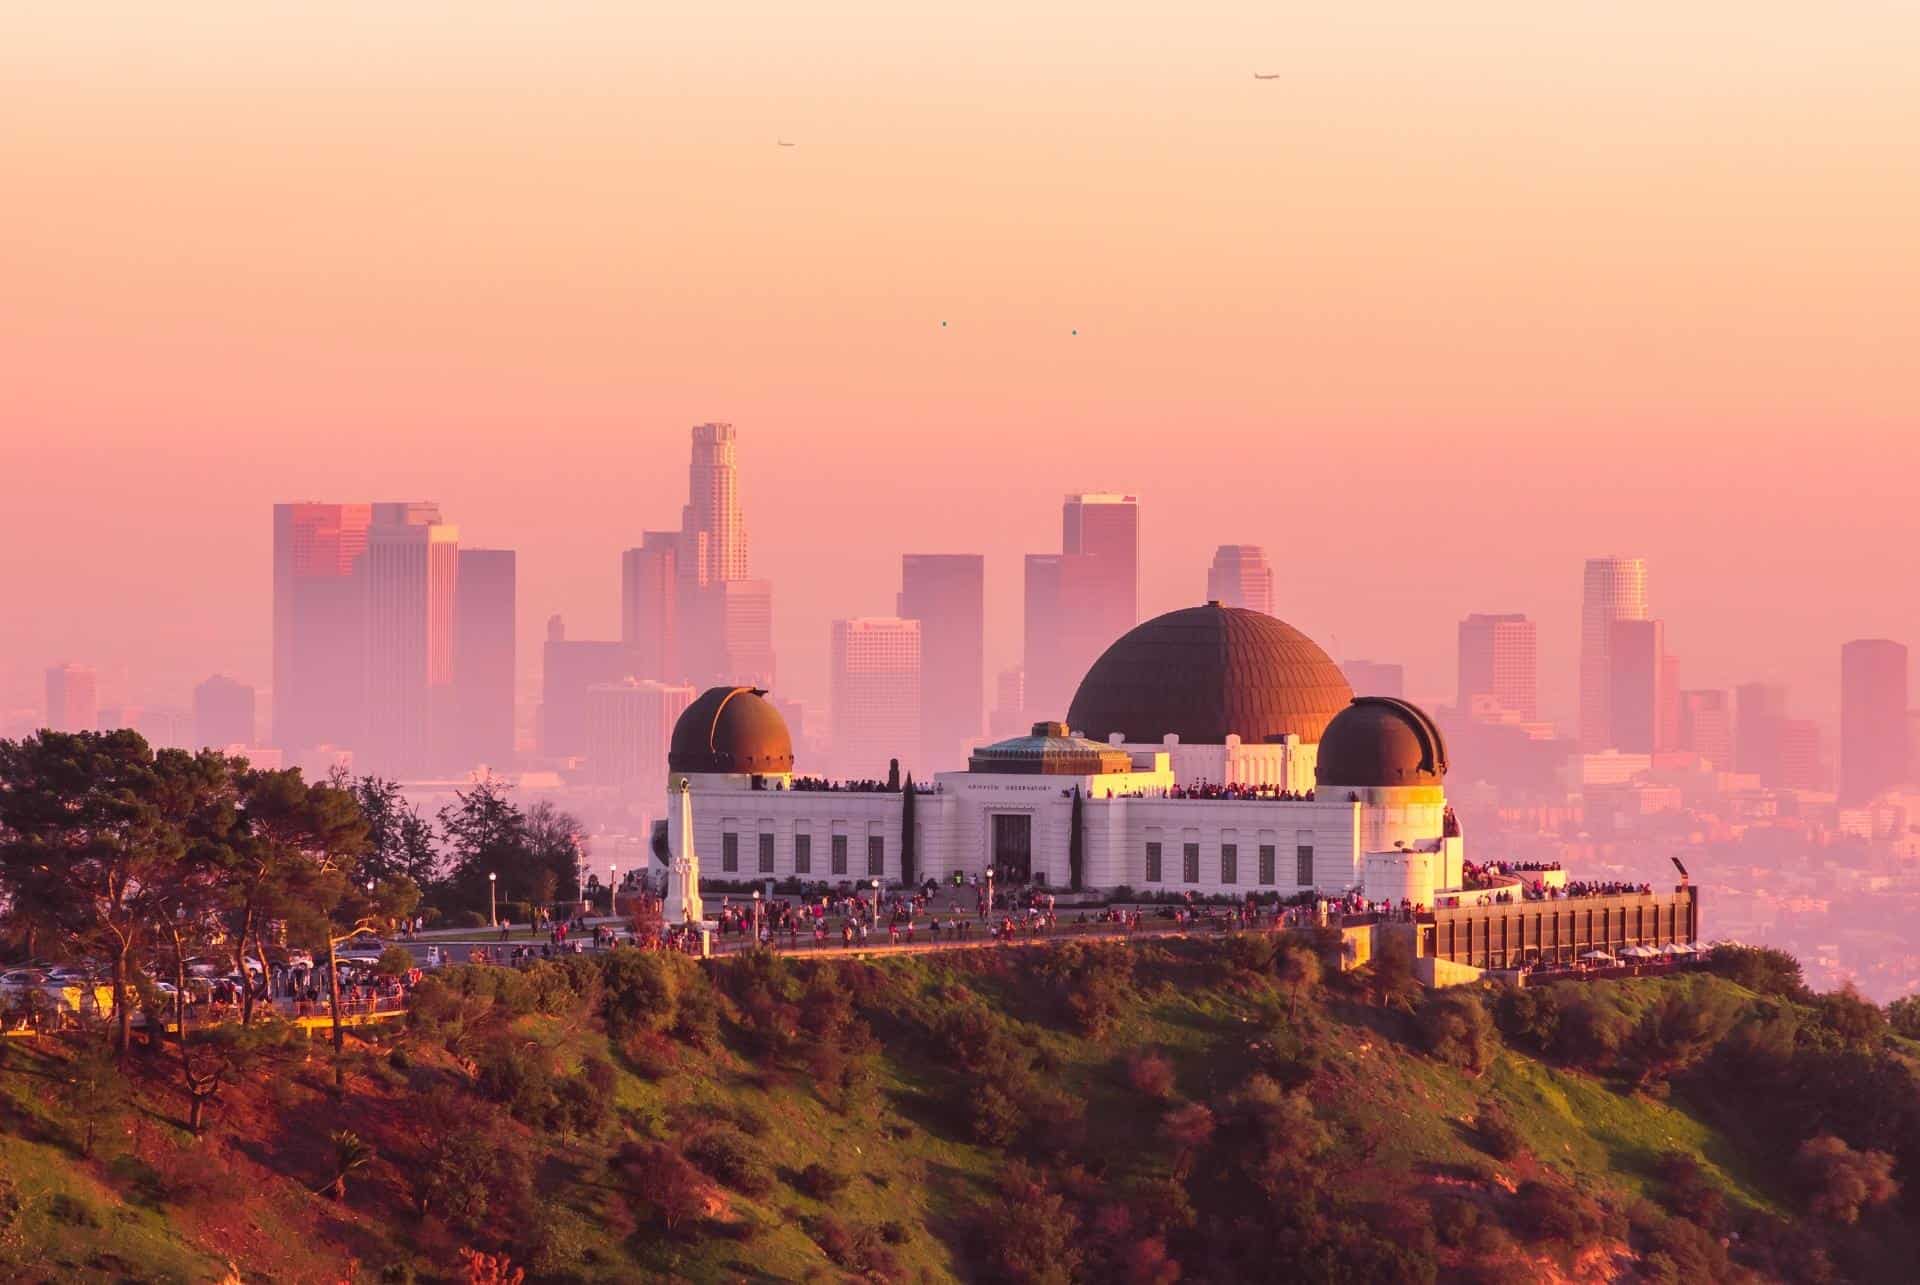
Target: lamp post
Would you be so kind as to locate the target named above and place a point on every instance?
(876, 905)
(493, 904)
(613, 889)
(756, 916)
(989, 914)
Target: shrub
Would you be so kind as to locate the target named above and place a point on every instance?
(640, 990)
(1904, 1016)
(394, 961)
(1839, 1182)
(1680, 1028)
(820, 1182)
(727, 1156)
(1499, 1136)
(1759, 968)
(660, 1179)
(1852, 1020)
(1150, 1074)
(1562, 1216)
(1456, 1029)
(1591, 1029)
(650, 1054)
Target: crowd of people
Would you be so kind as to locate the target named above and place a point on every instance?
(822, 785)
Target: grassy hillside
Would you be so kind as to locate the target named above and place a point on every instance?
(1181, 1110)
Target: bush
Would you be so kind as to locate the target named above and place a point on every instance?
(1150, 1074)
(1904, 1016)
(1562, 1216)
(1456, 1029)
(820, 1182)
(1499, 1136)
(1590, 1029)
(640, 990)
(727, 1156)
(1761, 969)
(1850, 1019)
(1839, 1182)
(1681, 1028)
(650, 1054)
(660, 1179)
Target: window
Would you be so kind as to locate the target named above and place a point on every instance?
(1153, 863)
(766, 854)
(803, 854)
(1303, 865)
(876, 855)
(1229, 863)
(839, 854)
(729, 852)
(1266, 863)
(1190, 863)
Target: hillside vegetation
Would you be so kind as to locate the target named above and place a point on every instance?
(1198, 1110)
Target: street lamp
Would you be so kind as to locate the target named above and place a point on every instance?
(756, 916)
(493, 904)
(613, 889)
(989, 914)
(876, 905)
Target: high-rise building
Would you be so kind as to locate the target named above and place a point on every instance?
(1637, 675)
(713, 507)
(569, 671)
(1065, 631)
(222, 713)
(1009, 703)
(1706, 727)
(411, 574)
(946, 593)
(1873, 718)
(319, 624)
(650, 605)
(1760, 712)
(483, 659)
(1499, 665)
(1105, 526)
(73, 699)
(629, 726)
(1614, 588)
(1801, 767)
(725, 618)
(736, 619)
(875, 693)
(1375, 678)
(1241, 577)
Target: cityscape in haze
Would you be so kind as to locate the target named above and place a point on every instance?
(395, 653)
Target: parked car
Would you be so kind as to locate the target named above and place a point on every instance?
(22, 979)
(367, 948)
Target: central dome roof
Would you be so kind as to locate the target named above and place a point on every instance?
(730, 730)
(1205, 672)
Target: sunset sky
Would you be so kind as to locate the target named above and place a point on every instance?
(1471, 292)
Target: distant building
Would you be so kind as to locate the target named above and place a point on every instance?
(1500, 661)
(223, 711)
(712, 522)
(319, 624)
(569, 671)
(411, 575)
(1873, 718)
(1241, 576)
(725, 618)
(875, 693)
(73, 701)
(1801, 766)
(650, 605)
(1082, 598)
(1106, 526)
(1376, 677)
(1636, 686)
(1613, 588)
(629, 726)
(737, 617)
(1009, 702)
(485, 647)
(1706, 727)
(946, 593)
(1760, 713)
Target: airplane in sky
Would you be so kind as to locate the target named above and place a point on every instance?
(781, 142)
(1271, 75)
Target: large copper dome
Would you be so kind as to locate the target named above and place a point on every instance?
(1379, 741)
(730, 729)
(1206, 672)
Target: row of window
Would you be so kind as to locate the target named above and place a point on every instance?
(803, 854)
(1230, 864)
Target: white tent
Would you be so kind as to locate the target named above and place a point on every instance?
(1598, 956)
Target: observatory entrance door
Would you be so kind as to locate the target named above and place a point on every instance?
(1013, 847)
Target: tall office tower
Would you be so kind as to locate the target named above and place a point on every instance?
(1499, 666)
(629, 725)
(73, 702)
(875, 694)
(319, 624)
(1873, 718)
(569, 671)
(1375, 678)
(1065, 629)
(946, 593)
(1668, 710)
(1706, 727)
(1760, 711)
(1800, 764)
(713, 507)
(1636, 686)
(1009, 703)
(740, 615)
(650, 605)
(411, 575)
(725, 619)
(222, 713)
(484, 648)
(1241, 577)
(1106, 527)
(1614, 588)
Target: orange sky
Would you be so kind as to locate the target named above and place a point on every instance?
(1464, 296)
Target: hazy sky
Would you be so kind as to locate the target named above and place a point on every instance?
(1471, 292)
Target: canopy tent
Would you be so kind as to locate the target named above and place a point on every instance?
(1597, 956)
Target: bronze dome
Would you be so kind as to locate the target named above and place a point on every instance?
(730, 729)
(1206, 672)
(1378, 741)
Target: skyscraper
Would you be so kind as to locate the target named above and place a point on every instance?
(1706, 727)
(1106, 526)
(629, 726)
(1241, 577)
(1873, 718)
(483, 659)
(875, 693)
(1760, 714)
(1801, 766)
(1080, 600)
(319, 624)
(725, 621)
(222, 713)
(1009, 703)
(411, 575)
(946, 593)
(739, 621)
(1614, 588)
(73, 702)
(650, 605)
(1375, 677)
(1499, 665)
(1637, 675)
(569, 671)
(713, 507)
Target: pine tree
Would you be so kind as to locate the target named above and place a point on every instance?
(1076, 845)
(909, 838)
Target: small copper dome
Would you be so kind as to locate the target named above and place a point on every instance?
(731, 729)
(1379, 741)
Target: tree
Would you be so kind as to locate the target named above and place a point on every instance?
(1457, 1029)
(554, 855)
(350, 1155)
(1680, 1028)
(399, 839)
(1759, 968)
(260, 859)
(1904, 1016)
(1840, 1182)
(92, 1089)
(909, 837)
(661, 1179)
(1076, 845)
(893, 774)
(485, 834)
(83, 840)
(1298, 967)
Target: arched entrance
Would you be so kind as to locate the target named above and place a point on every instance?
(1013, 847)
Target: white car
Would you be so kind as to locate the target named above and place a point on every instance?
(22, 979)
